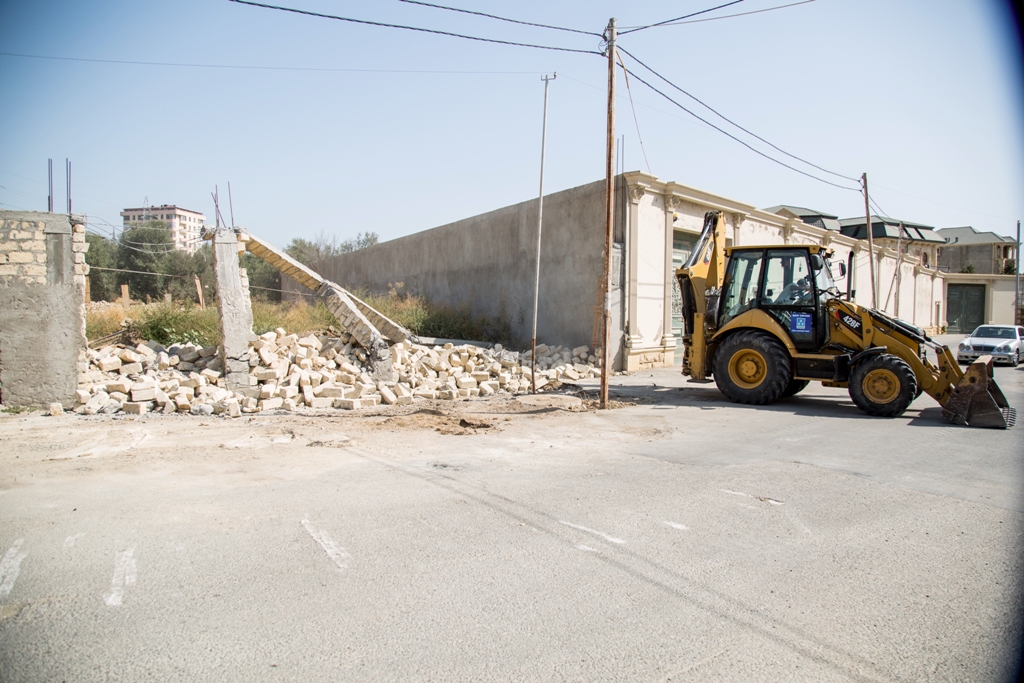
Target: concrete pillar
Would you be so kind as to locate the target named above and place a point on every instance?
(235, 309)
(668, 340)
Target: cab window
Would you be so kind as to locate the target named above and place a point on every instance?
(788, 279)
(740, 287)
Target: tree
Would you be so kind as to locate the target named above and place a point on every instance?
(969, 268)
(141, 249)
(315, 252)
(1010, 267)
(103, 284)
(264, 279)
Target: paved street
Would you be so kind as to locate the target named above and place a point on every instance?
(682, 538)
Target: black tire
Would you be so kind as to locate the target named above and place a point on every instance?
(883, 385)
(752, 367)
(1016, 358)
(794, 387)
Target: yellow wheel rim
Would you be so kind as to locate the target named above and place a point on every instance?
(747, 369)
(881, 386)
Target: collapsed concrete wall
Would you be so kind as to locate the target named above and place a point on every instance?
(486, 264)
(42, 311)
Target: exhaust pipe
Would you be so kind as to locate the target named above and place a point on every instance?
(977, 400)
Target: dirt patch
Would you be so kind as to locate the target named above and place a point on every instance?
(445, 423)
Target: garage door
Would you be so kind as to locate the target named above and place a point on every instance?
(965, 308)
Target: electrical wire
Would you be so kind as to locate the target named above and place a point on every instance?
(256, 67)
(203, 280)
(730, 121)
(685, 16)
(742, 142)
(636, 122)
(412, 28)
(731, 16)
(494, 16)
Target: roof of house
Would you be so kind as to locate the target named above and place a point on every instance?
(968, 235)
(818, 219)
(890, 228)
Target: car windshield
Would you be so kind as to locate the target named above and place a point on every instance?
(989, 332)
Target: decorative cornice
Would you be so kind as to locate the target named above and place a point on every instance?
(636, 193)
(672, 202)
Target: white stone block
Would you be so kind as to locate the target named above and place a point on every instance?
(348, 403)
(271, 403)
(109, 364)
(136, 407)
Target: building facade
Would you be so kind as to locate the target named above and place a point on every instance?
(186, 226)
(967, 250)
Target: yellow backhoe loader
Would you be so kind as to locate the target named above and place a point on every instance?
(764, 321)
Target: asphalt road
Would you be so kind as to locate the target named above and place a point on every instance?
(680, 539)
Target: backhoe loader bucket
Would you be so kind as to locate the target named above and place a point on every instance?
(977, 400)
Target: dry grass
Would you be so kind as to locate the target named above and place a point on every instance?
(169, 323)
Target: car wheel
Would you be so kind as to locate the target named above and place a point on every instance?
(1016, 358)
(883, 385)
(752, 367)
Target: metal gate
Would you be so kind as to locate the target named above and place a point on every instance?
(682, 245)
(965, 307)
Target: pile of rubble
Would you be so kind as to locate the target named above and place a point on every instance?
(317, 371)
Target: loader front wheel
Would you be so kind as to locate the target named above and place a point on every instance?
(883, 385)
(794, 387)
(752, 367)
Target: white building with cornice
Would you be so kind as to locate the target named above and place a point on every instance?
(485, 264)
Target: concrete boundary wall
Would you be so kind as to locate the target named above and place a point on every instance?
(486, 265)
(42, 310)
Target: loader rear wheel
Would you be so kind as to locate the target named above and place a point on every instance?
(752, 367)
(883, 385)
(794, 387)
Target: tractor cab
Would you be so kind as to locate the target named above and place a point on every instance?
(792, 284)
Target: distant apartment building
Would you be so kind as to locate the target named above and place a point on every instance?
(186, 226)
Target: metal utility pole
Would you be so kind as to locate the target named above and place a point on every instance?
(540, 225)
(871, 243)
(1016, 270)
(68, 162)
(609, 190)
(49, 175)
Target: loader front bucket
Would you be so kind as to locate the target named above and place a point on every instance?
(977, 400)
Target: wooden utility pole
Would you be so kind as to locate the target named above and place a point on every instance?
(871, 243)
(609, 236)
(1016, 271)
(125, 301)
(199, 293)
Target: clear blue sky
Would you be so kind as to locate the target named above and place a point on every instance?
(924, 95)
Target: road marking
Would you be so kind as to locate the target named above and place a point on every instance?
(334, 551)
(10, 566)
(586, 548)
(125, 573)
(69, 542)
(603, 535)
(674, 525)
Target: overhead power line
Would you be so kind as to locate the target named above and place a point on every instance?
(730, 121)
(413, 28)
(685, 16)
(494, 16)
(742, 142)
(258, 67)
(738, 14)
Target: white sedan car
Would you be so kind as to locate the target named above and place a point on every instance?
(1005, 343)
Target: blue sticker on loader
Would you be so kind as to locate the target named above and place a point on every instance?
(800, 323)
